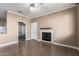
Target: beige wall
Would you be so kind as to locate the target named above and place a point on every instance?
(63, 23)
(12, 28)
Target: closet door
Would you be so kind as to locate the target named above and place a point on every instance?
(34, 30)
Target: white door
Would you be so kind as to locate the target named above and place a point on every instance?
(34, 30)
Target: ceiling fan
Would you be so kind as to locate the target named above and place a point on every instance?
(34, 6)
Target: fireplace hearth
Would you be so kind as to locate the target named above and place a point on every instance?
(46, 36)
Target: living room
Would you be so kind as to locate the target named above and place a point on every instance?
(39, 29)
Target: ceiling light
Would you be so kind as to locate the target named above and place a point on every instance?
(34, 7)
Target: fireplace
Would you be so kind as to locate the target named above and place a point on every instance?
(46, 36)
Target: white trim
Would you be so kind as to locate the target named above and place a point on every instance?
(58, 10)
(18, 14)
(3, 45)
(68, 46)
(48, 30)
(47, 13)
(8, 44)
(73, 47)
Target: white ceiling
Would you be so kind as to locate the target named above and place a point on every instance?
(43, 9)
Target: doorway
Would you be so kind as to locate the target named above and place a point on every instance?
(21, 30)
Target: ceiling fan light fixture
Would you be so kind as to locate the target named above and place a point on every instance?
(33, 7)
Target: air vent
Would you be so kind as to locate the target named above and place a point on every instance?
(20, 11)
(46, 28)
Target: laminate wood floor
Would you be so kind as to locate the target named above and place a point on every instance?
(36, 48)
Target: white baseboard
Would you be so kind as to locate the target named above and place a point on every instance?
(2, 45)
(8, 44)
(73, 47)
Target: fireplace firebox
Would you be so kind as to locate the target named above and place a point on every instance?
(46, 36)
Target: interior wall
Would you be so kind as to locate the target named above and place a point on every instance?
(64, 25)
(12, 28)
